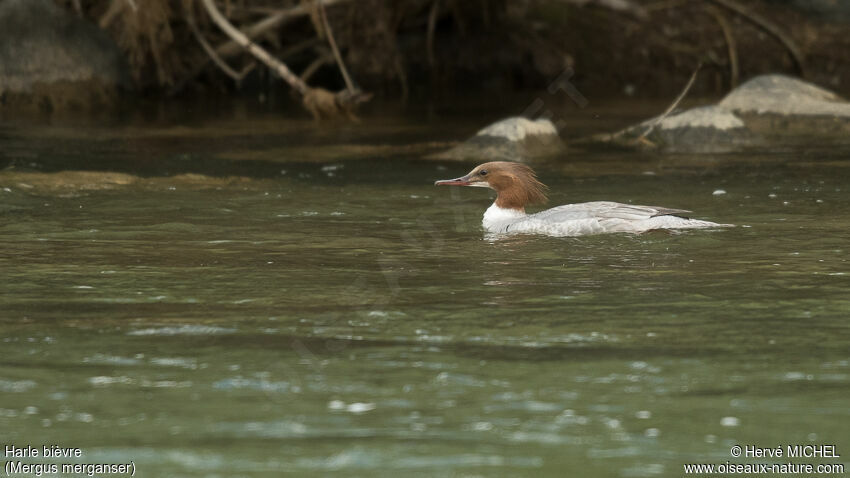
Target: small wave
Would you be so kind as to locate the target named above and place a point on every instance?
(184, 330)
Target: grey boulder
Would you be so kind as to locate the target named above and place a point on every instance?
(511, 139)
(766, 111)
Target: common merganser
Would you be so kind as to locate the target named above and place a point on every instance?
(517, 185)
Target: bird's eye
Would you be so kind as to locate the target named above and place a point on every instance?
(483, 172)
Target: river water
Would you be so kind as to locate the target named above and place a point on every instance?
(255, 296)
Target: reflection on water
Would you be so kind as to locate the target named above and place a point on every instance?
(210, 314)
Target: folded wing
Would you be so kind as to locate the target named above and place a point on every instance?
(605, 210)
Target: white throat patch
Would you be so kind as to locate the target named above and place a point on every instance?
(496, 219)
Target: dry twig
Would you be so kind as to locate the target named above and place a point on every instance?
(272, 21)
(730, 44)
(432, 25)
(109, 15)
(402, 78)
(320, 102)
(256, 50)
(327, 26)
(325, 59)
(618, 136)
(672, 106)
(231, 47)
(210, 51)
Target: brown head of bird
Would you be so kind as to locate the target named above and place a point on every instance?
(516, 184)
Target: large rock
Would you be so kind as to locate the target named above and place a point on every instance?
(50, 59)
(766, 111)
(783, 95)
(511, 139)
(785, 107)
(707, 129)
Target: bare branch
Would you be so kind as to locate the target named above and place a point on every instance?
(730, 44)
(671, 107)
(109, 15)
(210, 51)
(256, 50)
(247, 69)
(402, 78)
(432, 25)
(318, 101)
(770, 28)
(298, 47)
(314, 66)
(348, 83)
(272, 21)
(231, 48)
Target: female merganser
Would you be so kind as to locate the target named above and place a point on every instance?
(516, 186)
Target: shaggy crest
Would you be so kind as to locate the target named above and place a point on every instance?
(516, 183)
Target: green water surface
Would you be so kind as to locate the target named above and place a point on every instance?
(288, 299)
